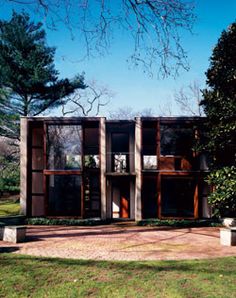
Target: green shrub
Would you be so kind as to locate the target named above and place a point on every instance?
(65, 222)
(179, 223)
(223, 197)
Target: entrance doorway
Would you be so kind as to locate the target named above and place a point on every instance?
(120, 198)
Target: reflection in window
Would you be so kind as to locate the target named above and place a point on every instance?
(64, 196)
(176, 140)
(91, 161)
(177, 196)
(92, 194)
(91, 140)
(149, 142)
(120, 163)
(64, 147)
(120, 152)
(149, 162)
(149, 196)
(120, 142)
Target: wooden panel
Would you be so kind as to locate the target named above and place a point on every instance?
(124, 200)
(167, 163)
(37, 136)
(124, 211)
(37, 183)
(185, 164)
(174, 163)
(178, 173)
(196, 201)
(38, 206)
(62, 172)
(121, 198)
(37, 159)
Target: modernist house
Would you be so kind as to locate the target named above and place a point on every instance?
(93, 167)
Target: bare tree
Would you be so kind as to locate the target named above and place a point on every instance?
(166, 109)
(128, 113)
(154, 26)
(87, 102)
(188, 99)
(122, 113)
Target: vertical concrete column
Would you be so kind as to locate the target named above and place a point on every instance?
(138, 204)
(103, 166)
(23, 164)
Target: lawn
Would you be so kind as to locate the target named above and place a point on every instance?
(24, 276)
(9, 207)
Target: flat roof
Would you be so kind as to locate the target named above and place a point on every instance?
(73, 119)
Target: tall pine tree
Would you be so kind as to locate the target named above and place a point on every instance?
(29, 82)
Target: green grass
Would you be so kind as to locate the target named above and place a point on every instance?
(24, 276)
(8, 208)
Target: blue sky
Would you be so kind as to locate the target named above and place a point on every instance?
(131, 86)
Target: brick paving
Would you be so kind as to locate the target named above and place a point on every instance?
(121, 242)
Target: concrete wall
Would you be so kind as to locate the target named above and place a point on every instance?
(138, 203)
(23, 165)
(103, 167)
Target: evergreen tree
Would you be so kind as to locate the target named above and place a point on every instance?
(219, 103)
(29, 83)
(219, 100)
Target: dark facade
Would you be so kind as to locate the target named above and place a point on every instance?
(93, 167)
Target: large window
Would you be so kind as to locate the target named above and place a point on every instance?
(91, 146)
(91, 189)
(149, 146)
(120, 152)
(177, 196)
(64, 147)
(64, 196)
(176, 140)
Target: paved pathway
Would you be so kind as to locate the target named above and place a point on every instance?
(121, 242)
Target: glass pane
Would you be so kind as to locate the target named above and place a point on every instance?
(149, 196)
(64, 196)
(176, 140)
(120, 142)
(92, 194)
(91, 141)
(177, 196)
(149, 143)
(150, 162)
(91, 161)
(120, 163)
(64, 147)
